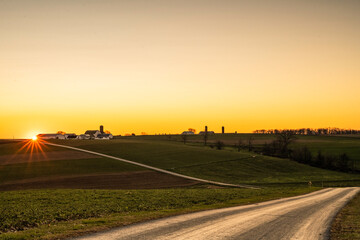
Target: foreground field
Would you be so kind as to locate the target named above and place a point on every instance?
(48, 214)
(204, 162)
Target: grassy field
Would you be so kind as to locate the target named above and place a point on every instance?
(337, 144)
(53, 214)
(346, 225)
(219, 165)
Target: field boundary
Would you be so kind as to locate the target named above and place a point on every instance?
(156, 169)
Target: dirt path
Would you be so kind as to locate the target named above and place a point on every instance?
(154, 168)
(305, 217)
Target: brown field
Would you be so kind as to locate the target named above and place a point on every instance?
(44, 156)
(124, 180)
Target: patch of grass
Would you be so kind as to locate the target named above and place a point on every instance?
(43, 214)
(212, 164)
(346, 225)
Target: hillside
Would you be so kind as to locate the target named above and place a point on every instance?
(204, 162)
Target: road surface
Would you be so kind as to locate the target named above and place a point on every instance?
(155, 168)
(302, 217)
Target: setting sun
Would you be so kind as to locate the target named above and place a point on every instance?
(34, 138)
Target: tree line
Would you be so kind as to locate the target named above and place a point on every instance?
(309, 131)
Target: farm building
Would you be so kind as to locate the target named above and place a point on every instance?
(93, 133)
(70, 136)
(104, 136)
(209, 132)
(187, 133)
(50, 136)
(83, 136)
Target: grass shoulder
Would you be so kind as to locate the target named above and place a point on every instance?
(346, 225)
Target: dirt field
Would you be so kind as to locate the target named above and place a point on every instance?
(126, 180)
(43, 156)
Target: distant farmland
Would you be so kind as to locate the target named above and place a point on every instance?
(219, 165)
(327, 144)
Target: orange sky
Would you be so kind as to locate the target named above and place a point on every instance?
(165, 66)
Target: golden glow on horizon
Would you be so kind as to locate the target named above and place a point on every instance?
(166, 66)
(34, 138)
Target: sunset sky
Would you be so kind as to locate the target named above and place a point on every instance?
(165, 66)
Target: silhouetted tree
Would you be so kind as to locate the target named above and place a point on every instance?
(301, 155)
(205, 138)
(219, 145)
(239, 145)
(284, 138)
(250, 143)
(184, 138)
(344, 162)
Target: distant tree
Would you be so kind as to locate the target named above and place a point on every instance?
(205, 138)
(192, 130)
(219, 145)
(344, 162)
(239, 145)
(250, 143)
(184, 138)
(319, 160)
(285, 138)
(60, 132)
(107, 132)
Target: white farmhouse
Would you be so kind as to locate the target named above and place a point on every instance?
(83, 136)
(93, 133)
(104, 136)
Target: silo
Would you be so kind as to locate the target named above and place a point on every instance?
(101, 128)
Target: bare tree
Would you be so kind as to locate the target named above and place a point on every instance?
(284, 138)
(250, 143)
(205, 138)
(239, 145)
(184, 138)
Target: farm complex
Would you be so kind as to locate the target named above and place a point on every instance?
(89, 134)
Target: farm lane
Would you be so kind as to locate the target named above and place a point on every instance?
(302, 217)
(154, 168)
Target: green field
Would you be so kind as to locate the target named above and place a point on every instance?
(218, 165)
(53, 214)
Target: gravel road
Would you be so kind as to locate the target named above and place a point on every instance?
(301, 217)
